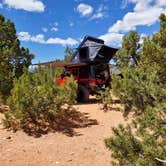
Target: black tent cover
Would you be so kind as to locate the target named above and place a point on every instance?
(93, 50)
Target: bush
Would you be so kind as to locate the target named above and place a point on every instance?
(105, 98)
(138, 89)
(143, 90)
(36, 97)
(1, 101)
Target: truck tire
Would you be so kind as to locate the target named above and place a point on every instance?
(83, 94)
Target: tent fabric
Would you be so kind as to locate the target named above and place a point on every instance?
(93, 50)
(59, 64)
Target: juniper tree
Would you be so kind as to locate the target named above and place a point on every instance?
(69, 54)
(13, 58)
(143, 90)
(128, 54)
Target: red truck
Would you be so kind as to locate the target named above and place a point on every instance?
(89, 67)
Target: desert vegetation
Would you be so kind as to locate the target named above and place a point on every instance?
(36, 103)
(142, 91)
(36, 98)
(33, 97)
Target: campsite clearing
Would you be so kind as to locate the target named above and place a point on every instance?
(85, 147)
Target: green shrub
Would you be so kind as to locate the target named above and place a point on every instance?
(1, 101)
(37, 97)
(105, 98)
(143, 90)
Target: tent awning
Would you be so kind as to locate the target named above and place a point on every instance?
(59, 64)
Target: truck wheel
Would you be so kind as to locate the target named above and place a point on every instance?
(83, 94)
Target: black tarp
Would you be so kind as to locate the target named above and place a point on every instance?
(93, 50)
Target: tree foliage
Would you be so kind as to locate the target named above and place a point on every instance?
(69, 54)
(142, 90)
(128, 54)
(13, 58)
(36, 97)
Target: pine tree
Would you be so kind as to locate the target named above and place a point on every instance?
(128, 54)
(142, 90)
(12, 58)
(69, 54)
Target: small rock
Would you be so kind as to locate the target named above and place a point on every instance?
(8, 150)
(8, 137)
(72, 153)
(70, 160)
(38, 151)
(57, 162)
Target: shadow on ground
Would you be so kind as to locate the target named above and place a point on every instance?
(90, 101)
(97, 101)
(66, 125)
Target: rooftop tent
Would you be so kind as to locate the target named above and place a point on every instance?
(105, 54)
(93, 50)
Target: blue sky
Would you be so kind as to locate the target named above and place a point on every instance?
(46, 27)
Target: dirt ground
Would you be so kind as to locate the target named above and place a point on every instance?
(83, 148)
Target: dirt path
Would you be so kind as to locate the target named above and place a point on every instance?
(86, 148)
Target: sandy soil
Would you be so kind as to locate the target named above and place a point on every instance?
(83, 148)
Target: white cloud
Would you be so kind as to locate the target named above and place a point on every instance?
(28, 5)
(38, 38)
(161, 3)
(56, 24)
(142, 37)
(124, 4)
(141, 5)
(133, 19)
(44, 29)
(1, 6)
(55, 29)
(145, 13)
(113, 39)
(25, 36)
(84, 9)
(63, 42)
(87, 10)
(101, 12)
(97, 15)
(71, 24)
